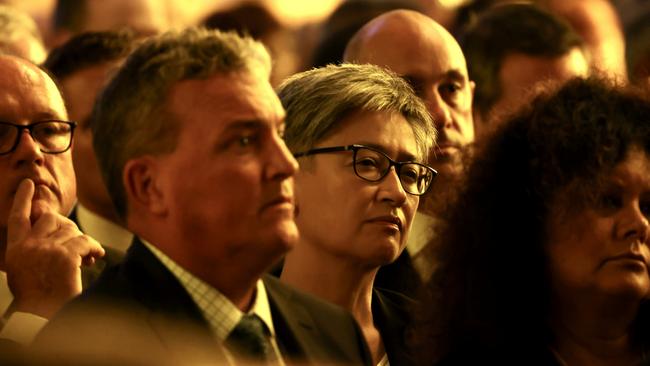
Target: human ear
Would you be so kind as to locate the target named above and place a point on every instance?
(142, 180)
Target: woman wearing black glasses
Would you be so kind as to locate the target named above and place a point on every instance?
(362, 138)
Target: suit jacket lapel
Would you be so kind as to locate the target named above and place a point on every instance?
(294, 325)
(173, 315)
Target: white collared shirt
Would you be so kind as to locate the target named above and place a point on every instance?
(220, 313)
(19, 327)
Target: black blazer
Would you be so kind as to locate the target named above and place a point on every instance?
(307, 329)
(400, 276)
(390, 311)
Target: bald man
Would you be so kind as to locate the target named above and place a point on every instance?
(41, 251)
(429, 58)
(425, 54)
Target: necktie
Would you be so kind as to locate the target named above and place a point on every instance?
(249, 341)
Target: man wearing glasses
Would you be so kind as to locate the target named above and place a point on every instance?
(362, 138)
(41, 251)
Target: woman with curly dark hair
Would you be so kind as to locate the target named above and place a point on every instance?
(544, 259)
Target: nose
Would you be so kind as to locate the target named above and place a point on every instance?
(633, 224)
(438, 109)
(27, 151)
(391, 190)
(281, 164)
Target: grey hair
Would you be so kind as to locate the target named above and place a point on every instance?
(129, 118)
(316, 100)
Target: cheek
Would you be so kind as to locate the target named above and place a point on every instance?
(61, 169)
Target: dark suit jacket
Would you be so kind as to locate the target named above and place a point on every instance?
(156, 303)
(390, 311)
(400, 276)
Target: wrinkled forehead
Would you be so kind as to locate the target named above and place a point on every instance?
(28, 93)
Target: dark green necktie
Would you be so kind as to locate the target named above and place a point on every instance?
(249, 340)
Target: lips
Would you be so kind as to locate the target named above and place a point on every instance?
(37, 182)
(388, 219)
(279, 200)
(629, 256)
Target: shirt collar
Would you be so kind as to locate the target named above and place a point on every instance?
(220, 313)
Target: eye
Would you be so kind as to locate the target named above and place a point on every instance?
(409, 174)
(610, 202)
(366, 162)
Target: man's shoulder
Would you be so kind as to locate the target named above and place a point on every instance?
(325, 332)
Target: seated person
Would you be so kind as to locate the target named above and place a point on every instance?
(545, 258)
(512, 50)
(82, 67)
(41, 250)
(362, 137)
(188, 136)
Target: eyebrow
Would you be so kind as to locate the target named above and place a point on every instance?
(401, 156)
(454, 74)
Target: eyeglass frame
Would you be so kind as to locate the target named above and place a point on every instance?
(391, 163)
(30, 127)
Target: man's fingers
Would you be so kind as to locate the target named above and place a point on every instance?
(18, 224)
(85, 247)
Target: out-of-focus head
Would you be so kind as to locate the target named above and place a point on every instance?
(187, 136)
(511, 50)
(638, 50)
(256, 20)
(82, 66)
(345, 21)
(598, 23)
(427, 56)
(352, 203)
(559, 195)
(28, 97)
(19, 35)
(143, 17)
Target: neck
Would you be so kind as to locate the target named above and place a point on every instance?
(595, 331)
(235, 277)
(344, 283)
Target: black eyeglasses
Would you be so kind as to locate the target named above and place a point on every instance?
(52, 136)
(373, 165)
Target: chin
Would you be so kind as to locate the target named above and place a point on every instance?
(632, 286)
(285, 237)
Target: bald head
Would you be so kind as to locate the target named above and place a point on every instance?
(29, 96)
(425, 54)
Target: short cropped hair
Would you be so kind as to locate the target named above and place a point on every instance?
(316, 100)
(88, 49)
(506, 29)
(129, 118)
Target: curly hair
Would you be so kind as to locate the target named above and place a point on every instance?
(491, 291)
